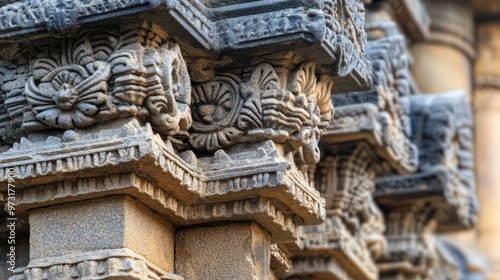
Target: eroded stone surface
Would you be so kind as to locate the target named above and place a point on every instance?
(237, 251)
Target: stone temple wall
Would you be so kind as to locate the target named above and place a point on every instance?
(246, 139)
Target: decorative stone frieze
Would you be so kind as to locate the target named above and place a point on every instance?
(332, 29)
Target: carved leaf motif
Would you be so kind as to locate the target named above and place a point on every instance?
(264, 78)
(323, 92)
(303, 80)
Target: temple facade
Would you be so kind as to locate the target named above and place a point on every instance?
(250, 139)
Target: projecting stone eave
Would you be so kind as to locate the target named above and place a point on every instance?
(212, 31)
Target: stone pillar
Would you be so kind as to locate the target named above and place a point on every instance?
(169, 139)
(236, 251)
(368, 137)
(439, 197)
(487, 105)
(443, 62)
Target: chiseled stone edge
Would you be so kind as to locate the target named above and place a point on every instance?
(35, 19)
(433, 181)
(359, 122)
(344, 248)
(437, 182)
(264, 211)
(101, 264)
(280, 261)
(210, 29)
(145, 154)
(321, 265)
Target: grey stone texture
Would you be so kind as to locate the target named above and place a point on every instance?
(233, 251)
(113, 222)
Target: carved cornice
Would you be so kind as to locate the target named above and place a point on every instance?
(177, 186)
(369, 136)
(114, 111)
(353, 232)
(439, 197)
(280, 261)
(380, 116)
(442, 130)
(334, 30)
(411, 247)
(416, 252)
(102, 264)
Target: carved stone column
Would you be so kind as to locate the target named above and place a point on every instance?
(443, 63)
(439, 197)
(368, 137)
(169, 139)
(487, 105)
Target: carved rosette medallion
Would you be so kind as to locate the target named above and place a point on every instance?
(105, 76)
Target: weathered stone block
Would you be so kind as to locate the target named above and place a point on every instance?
(231, 252)
(114, 222)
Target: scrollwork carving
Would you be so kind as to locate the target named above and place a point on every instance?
(353, 231)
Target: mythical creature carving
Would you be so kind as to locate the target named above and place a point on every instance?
(292, 110)
(109, 75)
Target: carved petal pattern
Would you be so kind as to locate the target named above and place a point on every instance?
(215, 106)
(68, 96)
(323, 92)
(105, 76)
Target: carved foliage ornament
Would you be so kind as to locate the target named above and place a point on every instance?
(106, 76)
(293, 110)
(347, 182)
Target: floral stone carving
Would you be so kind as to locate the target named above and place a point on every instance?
(105, 76)
(292, 110)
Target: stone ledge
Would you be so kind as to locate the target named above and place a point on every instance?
(102, 264)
